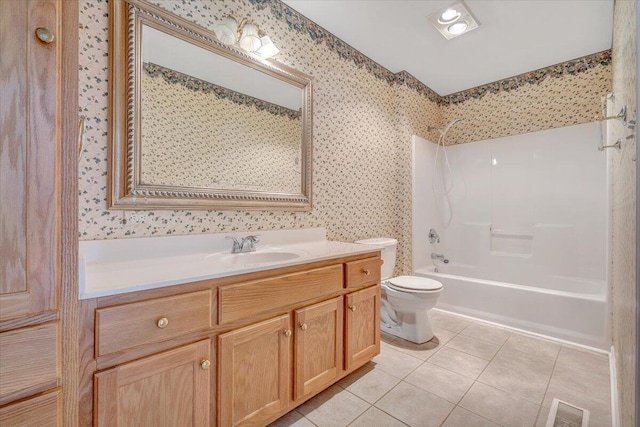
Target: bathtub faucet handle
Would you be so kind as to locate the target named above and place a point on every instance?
(433, 236)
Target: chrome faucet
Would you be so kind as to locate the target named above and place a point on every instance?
(439, 257)
(433, 236)
(248, 244)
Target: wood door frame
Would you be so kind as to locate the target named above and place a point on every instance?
(69, 290)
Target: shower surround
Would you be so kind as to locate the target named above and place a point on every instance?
(524, 229)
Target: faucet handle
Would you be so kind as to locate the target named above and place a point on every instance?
(236, 244)
(248, 243)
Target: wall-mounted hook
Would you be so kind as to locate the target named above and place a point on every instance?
(622, 115)
(617, 145)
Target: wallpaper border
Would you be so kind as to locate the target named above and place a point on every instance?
(303, 25)
(197, 85)
(571, 67)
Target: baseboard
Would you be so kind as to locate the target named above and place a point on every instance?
(526, 332)
(615, 402)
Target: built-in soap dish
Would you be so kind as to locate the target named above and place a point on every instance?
(563, 414)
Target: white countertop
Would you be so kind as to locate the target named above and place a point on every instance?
(110, 267)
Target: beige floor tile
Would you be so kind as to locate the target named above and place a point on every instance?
(423, 351)
(582, 388)
(583, 359)
(292, 419)
(596, 383)
(387, 338)
(466, 344)
(524, 383)
(375, 417)
(440, 381)
(369, 383)
(543, 414)
(334, 407)
(485, 332)
(449, 322)
(414, 406)
(443, 335)
(499, 406)
(460, 417)
(532, 345)
(459, 362)
(395, 362)
(518, 360)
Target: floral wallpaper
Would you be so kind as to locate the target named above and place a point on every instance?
(570, 99)
(622, 167)
(192, 137)
(363, 119)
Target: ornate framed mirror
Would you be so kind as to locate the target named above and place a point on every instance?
(195, 124)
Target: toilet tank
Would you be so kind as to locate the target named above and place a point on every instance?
(388, 253)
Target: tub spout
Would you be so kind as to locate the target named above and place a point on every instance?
(439, 257)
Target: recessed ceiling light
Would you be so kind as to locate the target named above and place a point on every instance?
(458, 28)
(448, 16)
(453, 20)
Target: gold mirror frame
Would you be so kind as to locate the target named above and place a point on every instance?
(126, 190)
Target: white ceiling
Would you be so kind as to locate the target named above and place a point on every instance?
(515, 36)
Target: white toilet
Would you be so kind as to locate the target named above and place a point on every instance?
(406, 300)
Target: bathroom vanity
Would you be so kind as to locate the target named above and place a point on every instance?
(240, 348)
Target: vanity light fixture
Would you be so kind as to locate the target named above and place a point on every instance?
(454, 20)
(245, 35)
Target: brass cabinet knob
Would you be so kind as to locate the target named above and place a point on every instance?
(287, 333)
(45, 35)
(352, 307)
(366, 271)
(205, 364)
(303, 326)
(163, 322)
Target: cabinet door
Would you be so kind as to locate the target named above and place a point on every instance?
(362, 326)
(165, 390)
(254, 366)
(29, 158)
(318, 346)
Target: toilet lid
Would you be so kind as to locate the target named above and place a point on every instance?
(415, 283)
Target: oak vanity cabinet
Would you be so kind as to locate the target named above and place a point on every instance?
(165, 390)
(274, 338)
(256, 373)
(254, 367)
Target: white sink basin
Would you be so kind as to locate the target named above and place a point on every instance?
(258, 257)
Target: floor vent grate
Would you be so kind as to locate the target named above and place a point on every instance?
(563, 414)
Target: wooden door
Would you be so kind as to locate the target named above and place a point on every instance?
(362, 341)
(169, 389)
(318, 346)
(254, 372)
(29, 157)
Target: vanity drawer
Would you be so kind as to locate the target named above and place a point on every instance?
(246, 299)
(131, 325)
(363, 272)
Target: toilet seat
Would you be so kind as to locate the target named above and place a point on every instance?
(414, 284)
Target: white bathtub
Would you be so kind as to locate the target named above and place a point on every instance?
(574, 311)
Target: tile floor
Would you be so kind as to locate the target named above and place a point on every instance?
(478, 375)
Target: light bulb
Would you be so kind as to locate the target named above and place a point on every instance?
(226, 31)
(457, 28)
(448, 16)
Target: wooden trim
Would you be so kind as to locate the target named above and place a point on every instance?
(69, 213)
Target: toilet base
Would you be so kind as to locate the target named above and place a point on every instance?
(411, 327)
